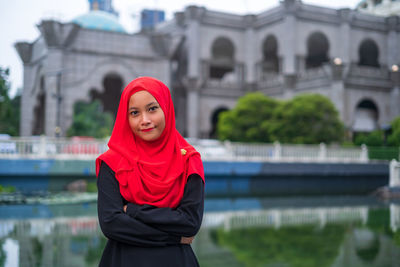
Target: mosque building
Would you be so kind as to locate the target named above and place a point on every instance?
(379, 7)
(209, 59)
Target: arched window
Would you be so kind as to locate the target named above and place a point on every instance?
(40, 110)
(222, 49)
(214, 121)
(368, 53)
(112, 91)
(270, 55)
(366, 116)
(317, 50)
(223, 59)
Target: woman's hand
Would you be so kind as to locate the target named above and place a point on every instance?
(187, 240)
(184, 240)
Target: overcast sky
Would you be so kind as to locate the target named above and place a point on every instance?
(18, 18)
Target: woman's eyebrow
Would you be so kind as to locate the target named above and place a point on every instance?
(150, 104)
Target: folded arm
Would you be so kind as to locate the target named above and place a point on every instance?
(185, 220)
(119, 226)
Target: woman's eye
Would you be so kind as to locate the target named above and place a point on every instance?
(134, 113)
(153, 108)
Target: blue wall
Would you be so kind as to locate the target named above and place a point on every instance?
(222, 178)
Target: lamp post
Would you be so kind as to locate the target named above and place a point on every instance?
(58, 99)
(58, 96)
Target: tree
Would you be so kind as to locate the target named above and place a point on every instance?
(90, 120)
(374, 138)
(307, 119)
(394, 137)
(9, 108)
(249, 120)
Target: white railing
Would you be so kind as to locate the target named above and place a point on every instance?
(394, 217)
(369, 72)
(214, 150)
(322, 72)
(394, 174)
(275, 218)
(211, 150)
(284, 217)
(44, 147)
(43, 227)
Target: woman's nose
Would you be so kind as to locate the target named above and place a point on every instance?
(145, 119)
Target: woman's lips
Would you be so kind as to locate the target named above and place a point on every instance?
(147, 130)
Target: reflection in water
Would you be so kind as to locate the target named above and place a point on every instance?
(301, 245)
(53, 242)
(330, 236)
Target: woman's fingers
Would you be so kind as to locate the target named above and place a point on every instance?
(187, 240)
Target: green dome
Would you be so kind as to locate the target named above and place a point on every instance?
(99, 20)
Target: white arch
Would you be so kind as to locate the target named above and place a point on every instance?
(213, 43)
(365, 119)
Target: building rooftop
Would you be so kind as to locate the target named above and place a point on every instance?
(99, 20)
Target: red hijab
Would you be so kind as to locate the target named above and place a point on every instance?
(150, 172)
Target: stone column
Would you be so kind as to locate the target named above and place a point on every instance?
(25, 50)
(54, 86)
(57, 38)
(192, 82)
(345, 33)
(289, 46)
(301, 63)
(193, 86)
(250, 56)
(338, 96)
(28, 101)
(193, 15)
(395, 94)
(392, 44)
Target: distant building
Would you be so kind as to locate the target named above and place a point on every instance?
(380, 7)
(102, 5)
(150, 18)
(209, 59)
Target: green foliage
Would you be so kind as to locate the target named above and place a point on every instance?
(7, 189)
(307, 118)
(369, 252)
(9, 108)
(3, 255)
(296, 246)
(394, 137)
(375, 138)
(93, 254)
(379, 220)
(383, 152)
(249, 120)
(90, 120)
(396, 238)
(37, 248)
(92, 187)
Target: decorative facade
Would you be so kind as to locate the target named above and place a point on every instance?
(209, 59)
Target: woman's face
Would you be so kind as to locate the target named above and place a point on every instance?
(146, 118)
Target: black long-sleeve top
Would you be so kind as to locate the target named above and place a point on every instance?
(146, 235)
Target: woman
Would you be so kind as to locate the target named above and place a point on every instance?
(150, 183)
